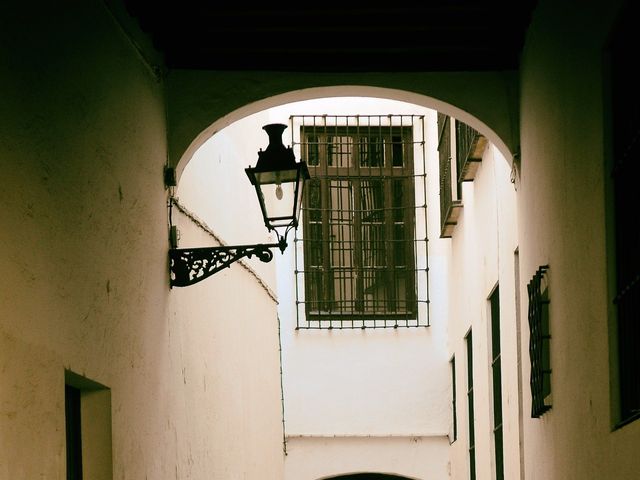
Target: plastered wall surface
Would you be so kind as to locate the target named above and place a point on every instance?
(85, 283)
(83, 271)
(482, 257)
(562, 223)
(412, 457)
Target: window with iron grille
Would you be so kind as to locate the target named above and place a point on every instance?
(470, 146)
(539, 338)
(361, 264)
(626, 196)
(460, 150)
(450, 195)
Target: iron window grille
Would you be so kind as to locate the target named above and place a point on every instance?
(626, 196)
(460, 148)
(469, 149)
(539, 339)
(361, 254)
(450, 203)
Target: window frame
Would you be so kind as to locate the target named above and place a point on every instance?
(454, 400)
(496, 382)
(355, 174)
(88, 422)
(470, 407)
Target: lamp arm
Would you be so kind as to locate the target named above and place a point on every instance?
(188, 266)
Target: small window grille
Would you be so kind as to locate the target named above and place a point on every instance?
(361, 254)
(539, 338)
(450, 191)
(460, 150)
(470, 146)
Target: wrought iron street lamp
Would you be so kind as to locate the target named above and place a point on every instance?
(279, 181)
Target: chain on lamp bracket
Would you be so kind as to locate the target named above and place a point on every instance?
(192, 265)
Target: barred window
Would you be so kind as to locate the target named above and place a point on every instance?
(539, 339)
(460, 149)
(358, 224)
(450, 191)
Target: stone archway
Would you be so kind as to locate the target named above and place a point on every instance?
(491, 115)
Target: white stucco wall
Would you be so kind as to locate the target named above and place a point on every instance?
(228, 412)
(355, 393)
(359, 391)
(482, 256)
(564, 124)
(84, 281)
(323, 457)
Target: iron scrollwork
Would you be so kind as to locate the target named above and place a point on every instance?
(192, 265)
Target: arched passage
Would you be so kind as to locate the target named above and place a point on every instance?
(489, 113)
(310, 450)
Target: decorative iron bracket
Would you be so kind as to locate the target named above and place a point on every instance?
(192, 265)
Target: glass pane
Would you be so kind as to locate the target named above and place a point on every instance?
(399, 245)
(314, 241)
(314, 289)
(341, 244)
(397, 151)
(314, 200)
(313, 153)
(340, 201)
(372, 195)
(279, 202)
(400, 234)
(398, 200)
(371, 152)
(339, 151)
(373, 252)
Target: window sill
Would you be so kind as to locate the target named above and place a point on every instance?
(451, 219)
